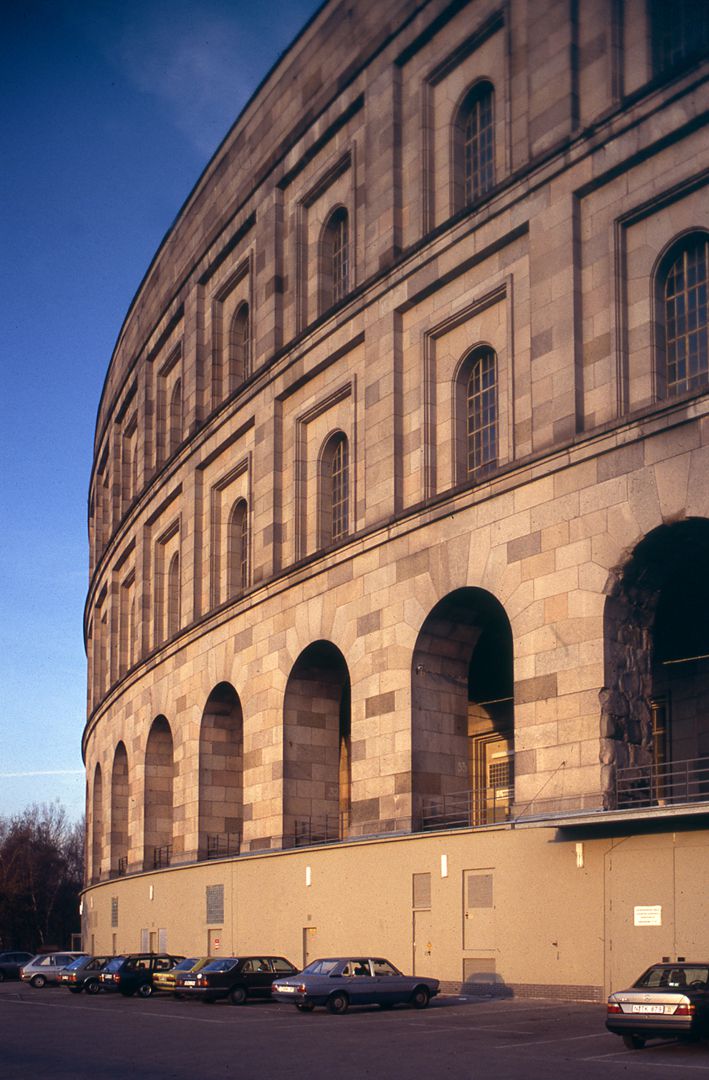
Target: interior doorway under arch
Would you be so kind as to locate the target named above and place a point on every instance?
(462, 700)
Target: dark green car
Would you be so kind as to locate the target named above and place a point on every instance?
(133, 974)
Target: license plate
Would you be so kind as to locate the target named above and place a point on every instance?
(189, 982)
(286, 989)
(648, 1008)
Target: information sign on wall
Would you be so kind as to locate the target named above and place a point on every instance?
(648, 915)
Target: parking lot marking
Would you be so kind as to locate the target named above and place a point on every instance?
(625, 1058)
(545, 1042)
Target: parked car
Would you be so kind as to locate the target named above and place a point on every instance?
(667, 999)
(134, 973)
(338, 982)
(44, 969)
(11, 962)
(84, 973)
(234, 977)
(165, 980)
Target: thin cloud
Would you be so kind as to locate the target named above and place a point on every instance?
(198, 69)
(41, 772)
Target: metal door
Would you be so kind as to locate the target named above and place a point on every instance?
(309, 940)
(423, 943)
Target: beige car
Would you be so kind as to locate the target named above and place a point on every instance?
(667, 999)
(165, 980)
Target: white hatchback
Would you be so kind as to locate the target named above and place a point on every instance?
(45, 968)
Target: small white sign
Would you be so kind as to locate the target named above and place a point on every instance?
(648, 915)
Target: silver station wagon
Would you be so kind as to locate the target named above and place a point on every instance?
(667, 999)
(338, 982)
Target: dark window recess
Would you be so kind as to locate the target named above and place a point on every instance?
(680, 33)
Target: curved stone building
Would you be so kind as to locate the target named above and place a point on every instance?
(399, 514)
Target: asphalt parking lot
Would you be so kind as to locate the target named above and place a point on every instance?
(51, 1033)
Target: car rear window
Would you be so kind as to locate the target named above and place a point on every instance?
(113, 965)
(676, 977)
(185, 965)
(321, 967)
(225, 964)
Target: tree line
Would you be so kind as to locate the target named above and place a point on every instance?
(41, 876)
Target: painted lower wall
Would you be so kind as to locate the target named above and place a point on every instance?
(528, 911)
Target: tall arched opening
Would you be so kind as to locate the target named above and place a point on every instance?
(119, 811)
(221, 766)
(655, 702)
(463, 713)
(97, 825)
(159, 807)
(316, 746)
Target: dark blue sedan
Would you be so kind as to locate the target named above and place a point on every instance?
(338, 982)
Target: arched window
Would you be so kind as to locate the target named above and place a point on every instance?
(239, 347)
(335, 259)
(173, 595)
(682, 294)
(238, 549)
(334, 498)
(175, 419)
(474, 145)
(477, 420)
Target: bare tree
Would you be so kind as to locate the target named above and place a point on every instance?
(41, 872)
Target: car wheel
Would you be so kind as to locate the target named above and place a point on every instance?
(74, 989)
(304, 1006)
(93, 986)
(38, 981)
(633, 1042)
(338, 1003)
(420, 997)
(145, 990)
(237, 995)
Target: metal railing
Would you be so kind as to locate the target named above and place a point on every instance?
(670, 784)
(463, 809)
(319, 829)
(222, 844)
(122, 865)
(162, 856)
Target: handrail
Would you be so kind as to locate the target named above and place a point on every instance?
(670, 783)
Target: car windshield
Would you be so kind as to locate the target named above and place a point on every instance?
(675, 977)
(226, 963)
(321, 967)
(79, 962)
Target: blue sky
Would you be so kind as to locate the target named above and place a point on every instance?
(111, 109)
